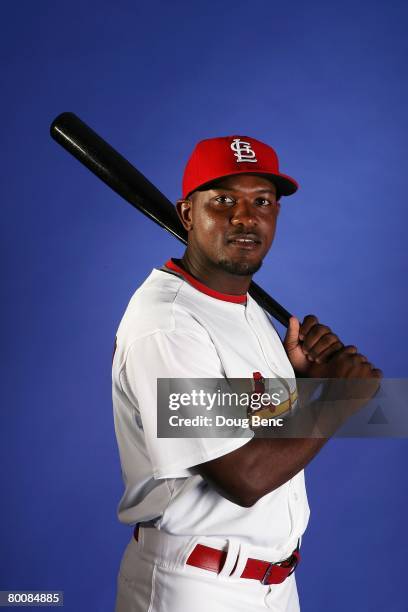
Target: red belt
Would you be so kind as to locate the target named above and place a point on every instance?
(213, 559)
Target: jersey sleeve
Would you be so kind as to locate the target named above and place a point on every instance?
(173, 354)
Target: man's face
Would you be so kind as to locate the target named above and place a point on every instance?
(232, 225)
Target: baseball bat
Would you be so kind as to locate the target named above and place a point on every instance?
(118, 173)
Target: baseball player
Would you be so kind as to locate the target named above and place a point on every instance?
(218, 521)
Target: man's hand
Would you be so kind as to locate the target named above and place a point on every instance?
(315, 352)
(309, 343)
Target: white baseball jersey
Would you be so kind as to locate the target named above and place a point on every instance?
(176, 327)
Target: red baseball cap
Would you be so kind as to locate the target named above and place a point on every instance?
(215, 158)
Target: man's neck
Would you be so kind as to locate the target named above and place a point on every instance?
(215, 278)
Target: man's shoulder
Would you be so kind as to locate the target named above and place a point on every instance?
(155, 306)
(158, 290)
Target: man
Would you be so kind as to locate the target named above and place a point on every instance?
(219, 520)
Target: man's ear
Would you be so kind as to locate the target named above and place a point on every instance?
(184, 211)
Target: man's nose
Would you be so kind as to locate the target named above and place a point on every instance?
(244, 213)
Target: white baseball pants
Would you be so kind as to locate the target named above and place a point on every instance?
(154, 577)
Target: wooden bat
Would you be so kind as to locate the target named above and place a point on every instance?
(104, 161)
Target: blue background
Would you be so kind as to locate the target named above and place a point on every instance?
(325, 84)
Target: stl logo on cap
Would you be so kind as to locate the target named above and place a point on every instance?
(243, 151)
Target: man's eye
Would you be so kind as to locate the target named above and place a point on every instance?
(266, 202)
(223, 199)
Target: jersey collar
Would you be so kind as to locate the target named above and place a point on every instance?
(225, 297)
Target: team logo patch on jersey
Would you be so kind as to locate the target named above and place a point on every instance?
(280, 404)
(243, 151)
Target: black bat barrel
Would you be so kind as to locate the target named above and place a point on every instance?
(112, 168)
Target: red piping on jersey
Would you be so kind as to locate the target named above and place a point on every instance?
(226, 297)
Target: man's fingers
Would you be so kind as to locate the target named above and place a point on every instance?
(358, 359)
(347, 350)
(308, 322)
(314, 335)
(321, 345)
(358, 366)
(321, 354)
(318, 340)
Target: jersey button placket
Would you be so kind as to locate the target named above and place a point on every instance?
(252, 324)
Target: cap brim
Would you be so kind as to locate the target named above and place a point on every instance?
(285, 185)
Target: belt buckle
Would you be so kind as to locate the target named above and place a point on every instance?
(295, 554)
